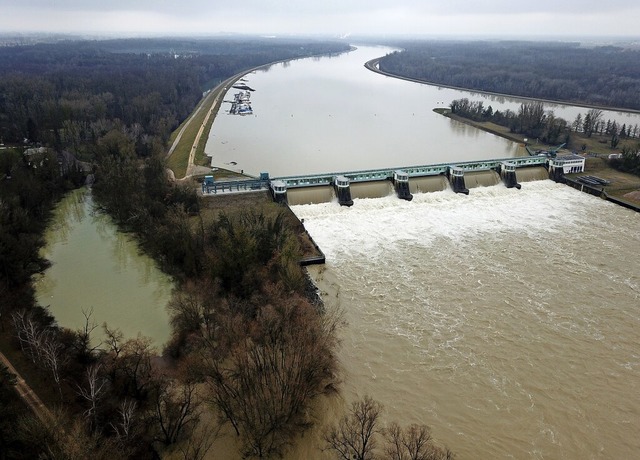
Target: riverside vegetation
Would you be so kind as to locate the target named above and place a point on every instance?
(566, 72)
(579, 73)
(533, 121)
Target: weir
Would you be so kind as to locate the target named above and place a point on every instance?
(407, 179)
(377, 183)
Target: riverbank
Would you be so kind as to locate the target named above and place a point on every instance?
(374, 66)
(623, 186)
(186, 155)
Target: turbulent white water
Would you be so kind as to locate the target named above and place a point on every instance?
(508, 320)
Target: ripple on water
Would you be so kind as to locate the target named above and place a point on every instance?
(507, 320)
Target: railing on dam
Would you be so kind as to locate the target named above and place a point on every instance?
(325, 179)
(234, 186)
(413, 171)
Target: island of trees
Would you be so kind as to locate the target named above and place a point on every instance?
(606, 76)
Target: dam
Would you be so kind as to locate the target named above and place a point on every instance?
(404, 181)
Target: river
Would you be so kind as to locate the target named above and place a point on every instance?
(98, 268)
(325, 114)
(507, 320)
(330, 114)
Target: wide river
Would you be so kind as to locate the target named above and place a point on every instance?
(330, 114)
(507, 320)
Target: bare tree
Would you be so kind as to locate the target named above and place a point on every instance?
(590, 121)
(193, 309)
(64, 437)
(129, 363)
(136, 356)
(113, 340)
(354, 436)
(264, 385)
(200, 442)
(176, 409)
(27, 332)
(413, 443)
(40, 344)
(51, 354)
(83, 342)
(125, 426)
(94, 390)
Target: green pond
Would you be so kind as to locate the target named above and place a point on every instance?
(97, 268)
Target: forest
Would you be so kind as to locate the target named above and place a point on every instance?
(69, 95)
(252, 347)
(606, 76)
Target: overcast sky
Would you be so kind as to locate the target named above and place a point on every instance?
(454, 18)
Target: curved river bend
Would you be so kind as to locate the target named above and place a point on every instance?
(507, 320)
(330, 114)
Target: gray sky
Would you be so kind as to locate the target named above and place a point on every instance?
(335, 17)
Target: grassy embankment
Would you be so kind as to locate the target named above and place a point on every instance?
(596, 148)
(178, 160)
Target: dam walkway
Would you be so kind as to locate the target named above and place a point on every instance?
(404, 180)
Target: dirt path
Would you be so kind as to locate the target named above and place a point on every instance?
(211, 104)
(217, 94)
(27, 394)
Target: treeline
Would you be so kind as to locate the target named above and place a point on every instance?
(630, 160)
(569, 72)
(357, 435)
(250, 346)
(30, 184)
(534, 121)
(70, 95)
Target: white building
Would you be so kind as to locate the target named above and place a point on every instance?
(570, 164)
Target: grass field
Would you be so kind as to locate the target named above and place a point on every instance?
(178, 161)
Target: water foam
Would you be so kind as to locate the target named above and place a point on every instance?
(499, 305)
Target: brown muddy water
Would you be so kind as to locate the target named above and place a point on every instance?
(507, 320)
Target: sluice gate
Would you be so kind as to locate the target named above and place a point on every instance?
(404, 181)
